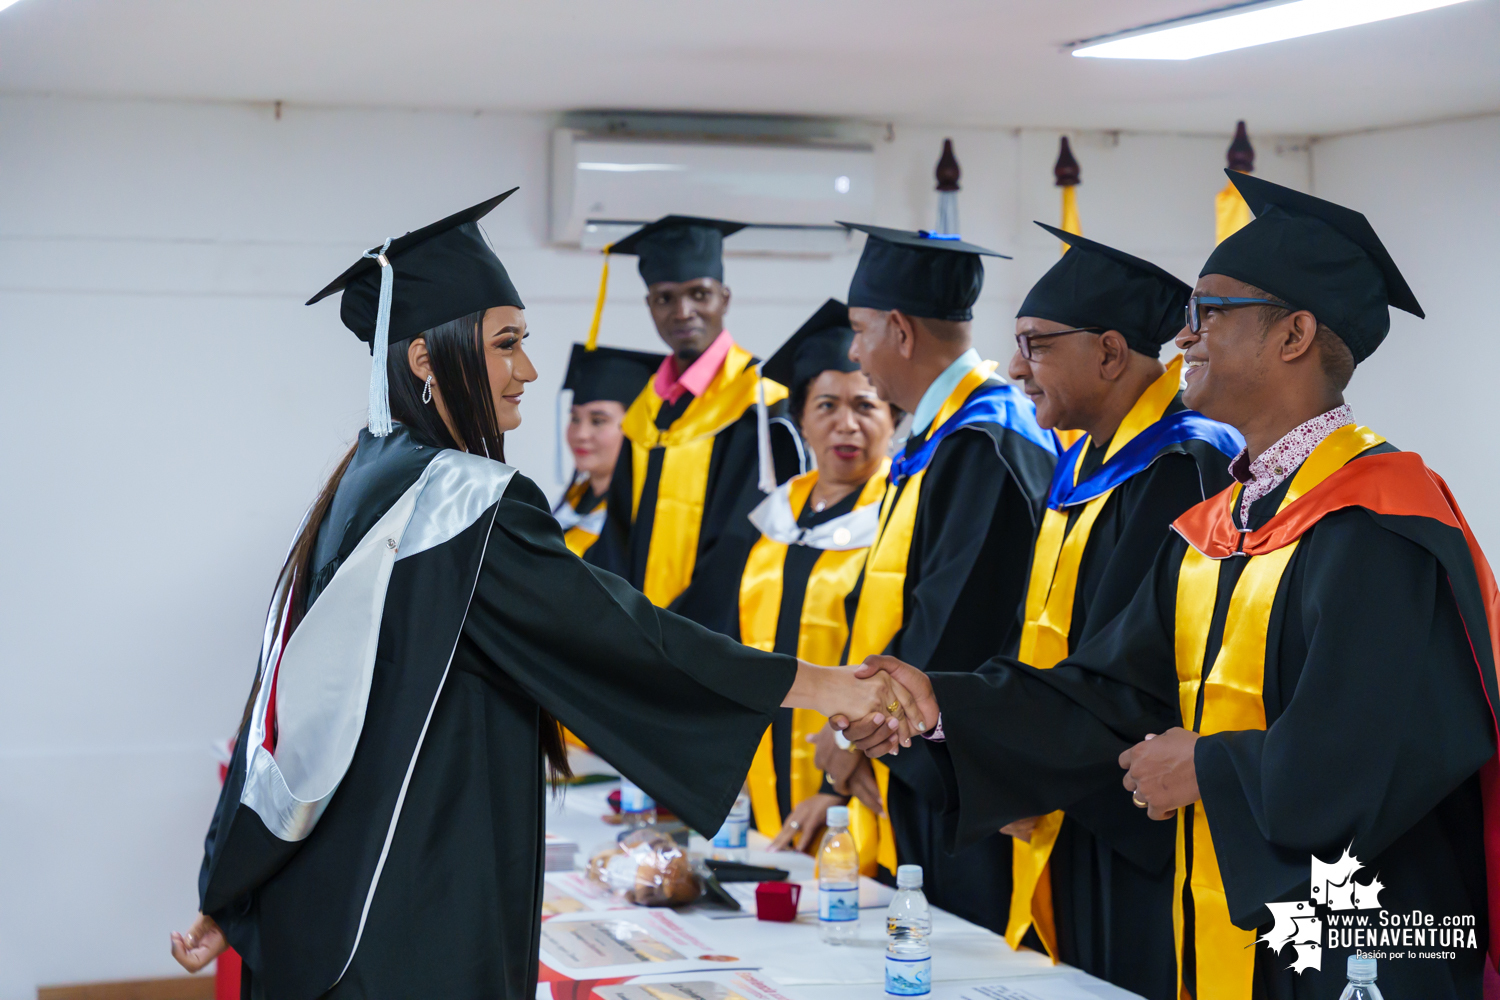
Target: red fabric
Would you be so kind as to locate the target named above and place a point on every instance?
(1397, 483)
(227, 976)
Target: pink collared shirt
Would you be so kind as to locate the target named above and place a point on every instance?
(670, 386)
(1272, 466)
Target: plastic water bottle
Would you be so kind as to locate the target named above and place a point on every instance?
(637, 808)
(732, 842)
(1361, 980)
(908, 923)
(838, 880)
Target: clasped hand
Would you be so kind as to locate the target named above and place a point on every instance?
(881, 733)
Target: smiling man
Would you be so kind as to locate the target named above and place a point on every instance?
(1093, 885)
(1314, 648)
(677, 520)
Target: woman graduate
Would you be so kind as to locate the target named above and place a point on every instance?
(380, 831)
(814, 532)
(603, 380)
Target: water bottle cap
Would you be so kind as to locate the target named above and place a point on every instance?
(1362, 969)
(838, 816)
(909, 877)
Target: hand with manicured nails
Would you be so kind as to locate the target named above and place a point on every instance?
(1160, 774)
(805, 822)
(878, 737)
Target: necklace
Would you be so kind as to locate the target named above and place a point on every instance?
(820, 506)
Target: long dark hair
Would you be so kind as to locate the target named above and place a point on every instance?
(456, 352)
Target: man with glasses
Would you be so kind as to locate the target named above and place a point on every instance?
(1314, 651)
(1092, 884)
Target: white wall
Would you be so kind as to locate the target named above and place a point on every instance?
(172, 407)
(1430, 193)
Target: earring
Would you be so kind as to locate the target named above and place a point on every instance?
(427, 390)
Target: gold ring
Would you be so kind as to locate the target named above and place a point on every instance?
(893, 707)
(1139, 803)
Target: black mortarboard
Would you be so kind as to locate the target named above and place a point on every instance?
(1317, 256)
(415, 282)
(1096, 285)
(922, 274)
(609, 373)
(441, 272)
(679, 248)
(819, 345)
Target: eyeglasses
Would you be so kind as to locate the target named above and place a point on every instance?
(1195, 319)
(1025, 340)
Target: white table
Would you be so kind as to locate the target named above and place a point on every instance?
(964, 955)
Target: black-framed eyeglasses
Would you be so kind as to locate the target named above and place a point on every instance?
(1025, 340)
(1195, 318)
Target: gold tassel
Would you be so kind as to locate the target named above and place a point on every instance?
(593, 340)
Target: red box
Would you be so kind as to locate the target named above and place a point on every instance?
(777, 901)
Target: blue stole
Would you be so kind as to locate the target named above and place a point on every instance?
(1136, 455)
(991, 403)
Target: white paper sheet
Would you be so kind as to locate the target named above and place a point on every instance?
(630, 943)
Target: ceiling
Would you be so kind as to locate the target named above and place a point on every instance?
(959, 62)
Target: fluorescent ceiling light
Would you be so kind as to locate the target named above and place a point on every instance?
(6, 3)
(621, 168)
(1243, 25)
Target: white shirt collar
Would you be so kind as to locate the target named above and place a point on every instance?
(938, 392)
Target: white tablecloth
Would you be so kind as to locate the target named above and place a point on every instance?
(968, 961)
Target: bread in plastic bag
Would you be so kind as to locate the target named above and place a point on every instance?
(647, 868)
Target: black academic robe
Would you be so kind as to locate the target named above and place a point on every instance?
(977, 515)
(725, 535)
(423, 875)
(1112, 867)
(1376, 726)
(795, 571)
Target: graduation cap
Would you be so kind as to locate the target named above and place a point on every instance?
(934, 275)
(821, 344)
(1098, 285)
(609, 373)
(1317, 256)
(679, 248)
(415, 282)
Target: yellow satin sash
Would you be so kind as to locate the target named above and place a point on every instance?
(683, 487)
(881, 611)
(821, 635)
(1050, 594)
(1232, 701)
(576, 538)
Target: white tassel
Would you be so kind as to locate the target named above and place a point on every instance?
(767, 481)
(380, 393)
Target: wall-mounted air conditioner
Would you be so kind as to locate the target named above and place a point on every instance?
(603, 187)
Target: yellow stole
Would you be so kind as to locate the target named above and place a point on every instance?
(682, 489)
(881, 611)
(1044, 643)
(576, 538)
(1232, 701)
(820, 639)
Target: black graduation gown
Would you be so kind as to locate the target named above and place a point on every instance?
(981, 503)
(454, 903)
(795, 571)
(1111, 866)
(725, 535)
(1377, 724)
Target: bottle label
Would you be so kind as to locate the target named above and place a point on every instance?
(908, 977)
(838, 905)
(734, 834)
(633, 798)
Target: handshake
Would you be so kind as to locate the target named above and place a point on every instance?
(879, 706)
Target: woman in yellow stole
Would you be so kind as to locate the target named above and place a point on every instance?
(814, 531)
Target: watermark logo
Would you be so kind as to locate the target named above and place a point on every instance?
(1332, 918)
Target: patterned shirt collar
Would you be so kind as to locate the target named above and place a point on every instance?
(1273, 465)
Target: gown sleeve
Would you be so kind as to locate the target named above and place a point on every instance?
(676, 707)
(1002, 758)
(1383, 696)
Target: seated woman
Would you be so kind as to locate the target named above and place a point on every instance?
(604, 381)
(814, 530)
(380, 831)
